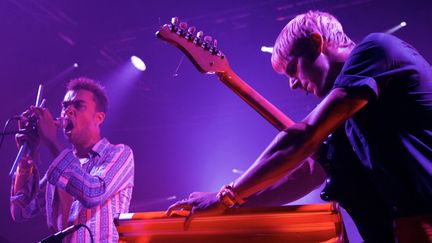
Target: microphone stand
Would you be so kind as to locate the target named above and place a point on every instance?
(58, 237)
(23, 149)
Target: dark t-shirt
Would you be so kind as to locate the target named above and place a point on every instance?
(392, 134)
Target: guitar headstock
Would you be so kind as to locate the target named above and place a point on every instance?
(202, 51)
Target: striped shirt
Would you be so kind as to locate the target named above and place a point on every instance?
(92, 193)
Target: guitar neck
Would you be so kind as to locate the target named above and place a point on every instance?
(208, 59)
(260, 104)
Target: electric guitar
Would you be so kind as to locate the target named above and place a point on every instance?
(207, 58)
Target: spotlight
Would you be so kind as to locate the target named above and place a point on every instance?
(396, 28)
(138, 63)
(75, 65)
(268, 49)
(237, 171)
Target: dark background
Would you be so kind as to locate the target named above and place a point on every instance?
(187, 130)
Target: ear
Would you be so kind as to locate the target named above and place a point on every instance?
(100, 117)
(317, 42)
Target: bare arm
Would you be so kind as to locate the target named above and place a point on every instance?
(304, 179)
(299, 141)
(283, 155)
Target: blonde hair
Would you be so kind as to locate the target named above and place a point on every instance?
(301, 27)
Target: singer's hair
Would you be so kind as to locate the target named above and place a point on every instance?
(300, 28)
(98, 91)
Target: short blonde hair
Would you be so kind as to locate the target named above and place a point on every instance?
(301, 27)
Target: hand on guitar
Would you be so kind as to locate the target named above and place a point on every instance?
(198, 203)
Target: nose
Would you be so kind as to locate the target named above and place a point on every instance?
(68, 111)
(294, 83)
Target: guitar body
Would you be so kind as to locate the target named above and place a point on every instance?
(348, 184)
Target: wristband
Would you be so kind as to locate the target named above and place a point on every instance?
(228, 197)
(25, 171)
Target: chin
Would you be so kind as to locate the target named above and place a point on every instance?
(68, 138)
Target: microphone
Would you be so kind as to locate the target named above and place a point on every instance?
(58, 237)
(61, 122)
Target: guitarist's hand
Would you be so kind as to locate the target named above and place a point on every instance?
(198, 203)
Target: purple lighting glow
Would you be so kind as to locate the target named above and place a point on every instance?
(188, 131)
(138, 63)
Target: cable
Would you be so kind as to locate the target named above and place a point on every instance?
(85, 226)
(4, 133)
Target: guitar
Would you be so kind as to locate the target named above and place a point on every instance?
(207, 58)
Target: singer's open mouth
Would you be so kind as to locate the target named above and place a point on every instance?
(69, 126)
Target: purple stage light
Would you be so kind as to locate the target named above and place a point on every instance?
(138, 63)
(268, 49)
(237, 171)
(397, 27)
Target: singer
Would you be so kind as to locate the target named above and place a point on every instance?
(86, 184)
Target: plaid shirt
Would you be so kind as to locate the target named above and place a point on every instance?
(72, 193)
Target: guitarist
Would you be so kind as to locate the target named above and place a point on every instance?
(377, 102)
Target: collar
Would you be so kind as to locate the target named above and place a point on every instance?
(98, 148)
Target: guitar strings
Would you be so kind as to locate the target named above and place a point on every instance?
(178, 66)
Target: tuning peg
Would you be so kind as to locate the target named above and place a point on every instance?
(183, 25)
(182, 28)
(206, 42)
(189, 34)
(198, 37)
(191, 30)
(174, 20)
(207, 39)
(213, 50)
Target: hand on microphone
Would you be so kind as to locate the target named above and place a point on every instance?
(47, 129)
(28, 133)
(36, 125)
